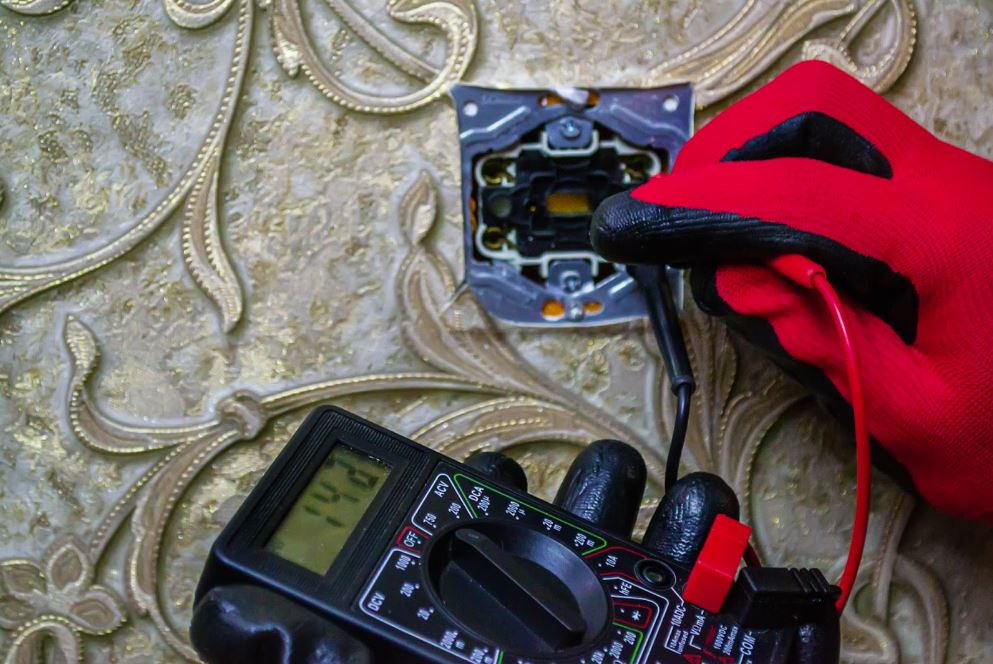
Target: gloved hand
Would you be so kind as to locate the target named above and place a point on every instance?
(604, 485)
(818, 164)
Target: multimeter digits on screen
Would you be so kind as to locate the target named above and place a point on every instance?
(425, 560)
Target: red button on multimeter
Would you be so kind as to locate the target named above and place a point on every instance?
(426, 561)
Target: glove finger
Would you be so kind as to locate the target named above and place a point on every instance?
(681, 523)
(906, 391)
(235, 624)
(499, 468)
(813, 89)
(741, 212)
(604, 485)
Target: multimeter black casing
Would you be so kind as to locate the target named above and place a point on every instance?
(381, 587)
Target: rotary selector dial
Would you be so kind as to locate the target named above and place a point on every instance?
(517, 587)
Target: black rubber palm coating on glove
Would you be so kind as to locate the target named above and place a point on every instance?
(237, 624)
(683, 519)
(500, 468)
(604, 485)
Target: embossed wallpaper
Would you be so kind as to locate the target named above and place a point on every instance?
(218, 214)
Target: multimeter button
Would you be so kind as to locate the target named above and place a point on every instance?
(656, 574)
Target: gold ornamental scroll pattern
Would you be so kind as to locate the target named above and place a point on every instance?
(197, 189)
(18, 283)
(732, 57)
(518, 407)
(763, 30)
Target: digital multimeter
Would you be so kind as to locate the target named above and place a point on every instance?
(425, 560)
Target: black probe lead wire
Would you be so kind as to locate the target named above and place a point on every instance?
(665, 322)
(672, 460)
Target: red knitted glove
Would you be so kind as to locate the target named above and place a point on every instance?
(818, 164)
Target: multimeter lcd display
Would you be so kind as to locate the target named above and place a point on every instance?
(331, 505)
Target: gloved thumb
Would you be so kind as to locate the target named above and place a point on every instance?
(235, 624)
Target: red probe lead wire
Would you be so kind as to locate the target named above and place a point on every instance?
(810, 275)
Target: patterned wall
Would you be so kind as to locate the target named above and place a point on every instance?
(217, 215)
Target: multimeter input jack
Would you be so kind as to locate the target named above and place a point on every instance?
(655, 574)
